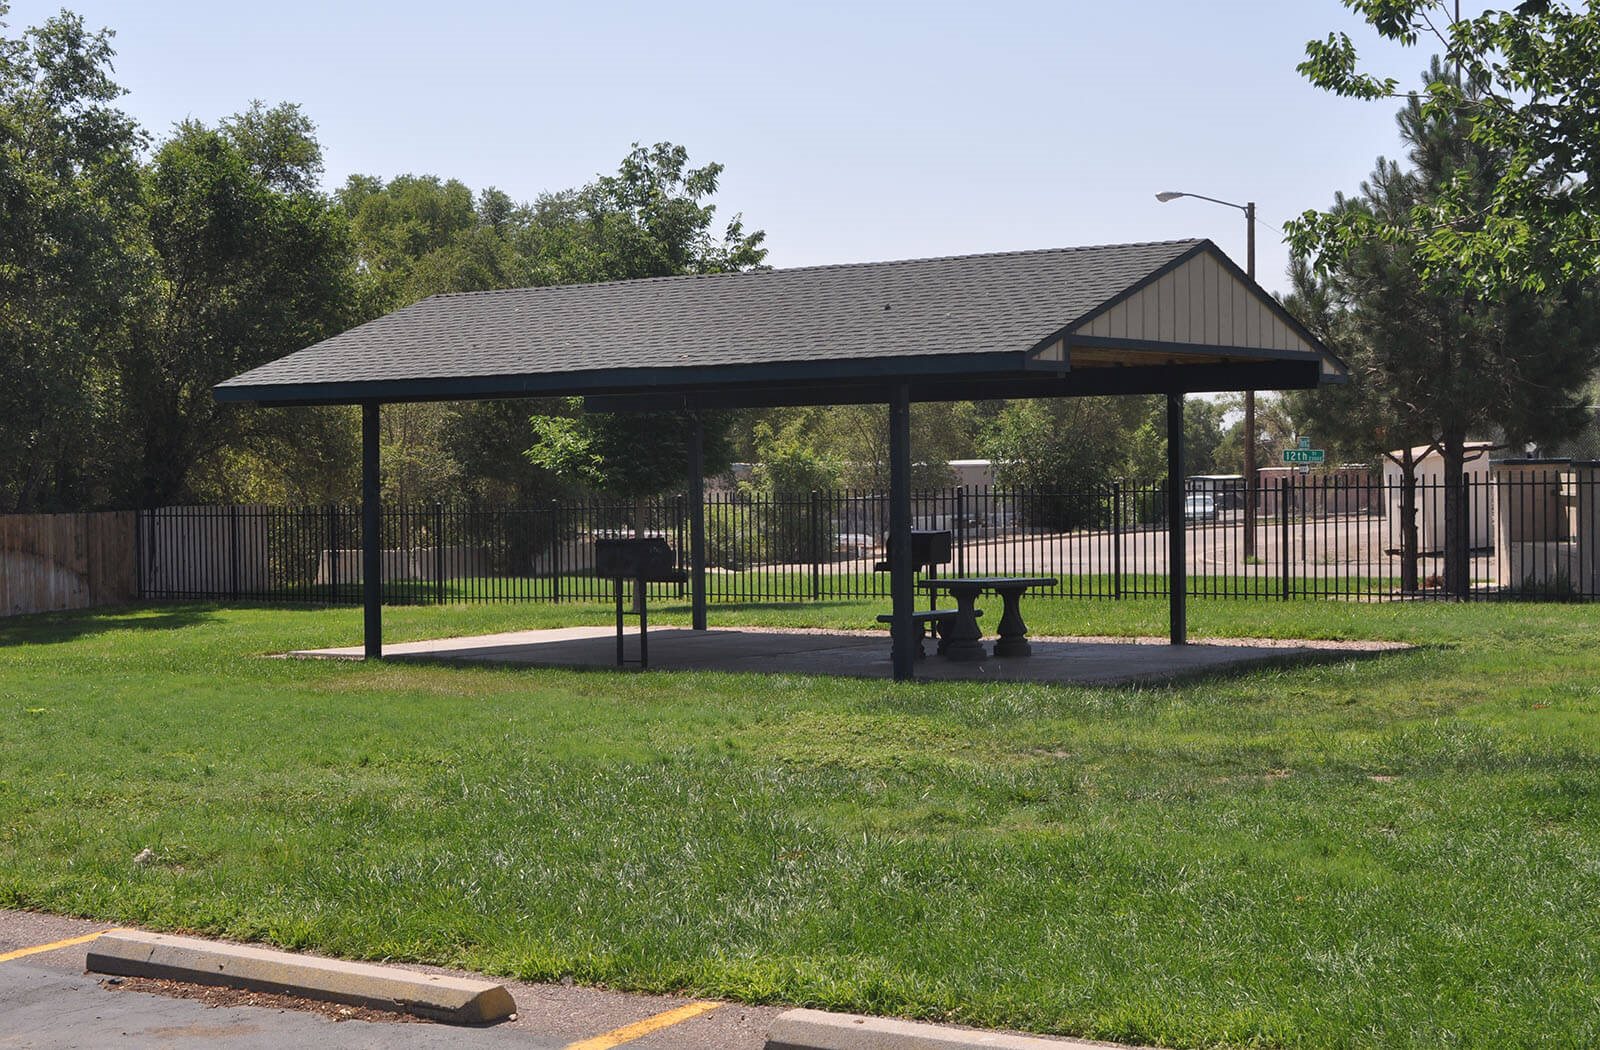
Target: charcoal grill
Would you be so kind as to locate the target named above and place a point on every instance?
(646, 559)
(929, 548)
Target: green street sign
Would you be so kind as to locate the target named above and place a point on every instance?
(1304, 455)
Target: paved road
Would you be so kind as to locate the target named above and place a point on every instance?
(1335, 547)
(48, 1002)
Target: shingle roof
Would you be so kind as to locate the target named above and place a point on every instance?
(866, 312)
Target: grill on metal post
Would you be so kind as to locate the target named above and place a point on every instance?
(646, 559)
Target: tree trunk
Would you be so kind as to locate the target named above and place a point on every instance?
(1409, 543)
(1457, 537)
(164, 468)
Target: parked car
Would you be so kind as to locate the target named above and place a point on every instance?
(1200, 506)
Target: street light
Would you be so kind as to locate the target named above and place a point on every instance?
(1249, 210)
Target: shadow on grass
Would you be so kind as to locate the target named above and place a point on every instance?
(55, 627)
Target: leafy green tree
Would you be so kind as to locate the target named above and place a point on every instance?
(1143, 437)
(788, 470)
(628, 455)
(1065, 451)
(418, 235)
(1524, 91)
(652, 219)
(856, 437)
(1435, 353)
(69, 181)
(632, 456)
(279, 144)
(787, 461)
(488, 439)
(242, 268)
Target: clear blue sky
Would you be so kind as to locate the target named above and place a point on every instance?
(850, 131)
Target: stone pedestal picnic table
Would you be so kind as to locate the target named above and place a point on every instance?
(964, 641)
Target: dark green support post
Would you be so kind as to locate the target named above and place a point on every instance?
(371, 523)
(1177, 547)
(697, 523)
(901, 567)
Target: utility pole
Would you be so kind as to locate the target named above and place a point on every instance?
(1250, 479)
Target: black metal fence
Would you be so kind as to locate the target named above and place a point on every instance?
(1531, 532)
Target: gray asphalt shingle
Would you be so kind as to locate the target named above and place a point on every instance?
(999, 303)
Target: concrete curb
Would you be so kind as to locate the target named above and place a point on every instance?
(818, 1030)
(457, 1000)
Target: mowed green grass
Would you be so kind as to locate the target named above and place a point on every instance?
(1401, 851)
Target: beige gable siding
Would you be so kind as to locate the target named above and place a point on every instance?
(1199, 302)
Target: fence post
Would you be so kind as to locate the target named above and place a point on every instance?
(680, 505)
(138, 554)
(438, 552)
(1466, 533)
(1284, 533)
(148, 554)
(332, 516)
(555, 550)
(816, 545)
(1116, 540)
(1305, 519)
(233, 551)
(961, 530)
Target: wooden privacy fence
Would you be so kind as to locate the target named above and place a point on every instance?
(67, 561)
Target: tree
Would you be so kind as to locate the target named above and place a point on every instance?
(651, 219)
(788, 470)
(1436, 354)
(418, 235)
(69, 180)
(788, 464)
(1276, 427)
(488, 440)
(241, 269)
(1141, 446)
(1064, 450)
(604, 450)
(1524, 91)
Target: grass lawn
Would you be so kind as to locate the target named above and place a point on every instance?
(1393, 852)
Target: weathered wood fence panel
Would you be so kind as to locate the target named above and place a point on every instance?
(50, 562)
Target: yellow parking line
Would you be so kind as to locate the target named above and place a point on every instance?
(640, 1029)
(52, 946)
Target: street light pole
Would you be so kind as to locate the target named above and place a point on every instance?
(1250, 478)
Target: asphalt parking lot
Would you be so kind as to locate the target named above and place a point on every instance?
(47, 1001)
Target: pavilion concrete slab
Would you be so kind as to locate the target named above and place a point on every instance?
(865, 654)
